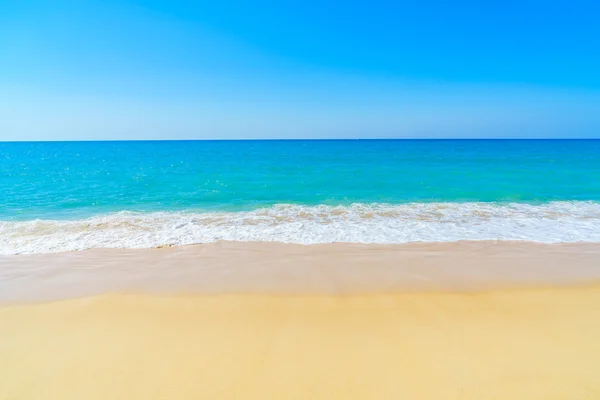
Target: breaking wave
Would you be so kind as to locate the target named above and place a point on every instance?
(358, 223)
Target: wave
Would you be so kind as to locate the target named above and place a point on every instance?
(553, 222)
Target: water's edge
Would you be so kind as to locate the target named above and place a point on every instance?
(553, 222)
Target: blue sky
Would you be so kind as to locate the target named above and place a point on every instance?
(80, 70)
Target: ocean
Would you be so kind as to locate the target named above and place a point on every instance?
(62, 196)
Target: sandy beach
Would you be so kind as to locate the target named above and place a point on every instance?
(472, 320)
(211, 200)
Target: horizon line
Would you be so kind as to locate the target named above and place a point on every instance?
(287, 139)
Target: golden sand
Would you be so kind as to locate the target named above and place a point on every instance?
(520, 344)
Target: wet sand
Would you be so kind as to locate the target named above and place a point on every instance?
(276, 268)
(253, 321)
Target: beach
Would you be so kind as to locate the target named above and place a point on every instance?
(465, 320)
(334, 269)
(204, 200)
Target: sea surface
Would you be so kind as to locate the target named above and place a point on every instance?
(61, 196)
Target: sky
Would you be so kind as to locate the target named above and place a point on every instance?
(175, 69)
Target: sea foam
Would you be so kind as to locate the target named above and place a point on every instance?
(552, 222)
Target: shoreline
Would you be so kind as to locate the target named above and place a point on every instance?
(372, 223)
(277, 268)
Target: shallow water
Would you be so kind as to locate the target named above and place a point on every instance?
(77, 195)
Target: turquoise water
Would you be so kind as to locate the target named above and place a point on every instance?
(75, 179)
(80, 182)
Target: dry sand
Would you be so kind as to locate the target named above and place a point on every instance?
(437, 322)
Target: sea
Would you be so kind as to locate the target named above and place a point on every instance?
(65, 196)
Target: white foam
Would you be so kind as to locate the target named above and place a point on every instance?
(359, 223)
